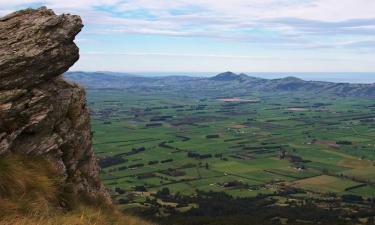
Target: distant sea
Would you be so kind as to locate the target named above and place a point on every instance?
(330, 77)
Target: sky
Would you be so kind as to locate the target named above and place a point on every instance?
(220, 35)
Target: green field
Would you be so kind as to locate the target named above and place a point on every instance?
(149, 140)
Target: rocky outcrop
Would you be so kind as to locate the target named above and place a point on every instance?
(41, 114)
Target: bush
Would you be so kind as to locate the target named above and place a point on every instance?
(212, 136)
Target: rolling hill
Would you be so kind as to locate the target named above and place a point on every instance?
(237, 83)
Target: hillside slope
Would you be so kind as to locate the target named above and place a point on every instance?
(32, 192)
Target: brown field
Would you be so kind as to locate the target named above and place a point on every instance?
(324, 184)
(230, 99)
(237, 100)
(355, 163)
(297, 109)
(238, 126)
(331, 144)
(244, 157)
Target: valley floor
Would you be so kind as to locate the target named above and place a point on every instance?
(166, 152)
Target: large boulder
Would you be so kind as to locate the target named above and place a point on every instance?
(41, 114)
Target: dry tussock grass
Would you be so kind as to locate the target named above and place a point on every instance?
(31, 194)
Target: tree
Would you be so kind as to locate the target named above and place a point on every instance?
(164, 192)
(140, 188)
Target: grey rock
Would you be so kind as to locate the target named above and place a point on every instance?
(41, 114)
(36, 45)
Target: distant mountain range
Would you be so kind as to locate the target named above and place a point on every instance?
(238, 83)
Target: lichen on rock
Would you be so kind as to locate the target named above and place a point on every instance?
(41, 114)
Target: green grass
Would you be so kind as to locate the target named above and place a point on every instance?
(366, 191)
(268, 124)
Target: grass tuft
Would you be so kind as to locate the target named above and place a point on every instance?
(31, 192)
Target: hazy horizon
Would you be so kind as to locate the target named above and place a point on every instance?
(337, 77)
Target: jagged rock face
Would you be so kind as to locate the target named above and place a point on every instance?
(36, 45)
(40, 113)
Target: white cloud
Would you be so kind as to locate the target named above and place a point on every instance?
(168, 62)
(285, 24)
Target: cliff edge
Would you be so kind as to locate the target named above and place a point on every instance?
(41, 114)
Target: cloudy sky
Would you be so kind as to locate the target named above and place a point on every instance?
(213, 35)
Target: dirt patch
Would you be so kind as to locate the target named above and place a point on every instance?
(355, 163)
(331, 144)
(237, 100)
(297, 109)
(230, 99)
(243, 157)
(315, 181)
(239, 126)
